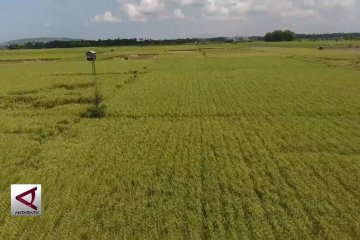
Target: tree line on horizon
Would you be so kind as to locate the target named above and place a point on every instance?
(114, 43)
(280, 36)
(287, 35)
(275, 36)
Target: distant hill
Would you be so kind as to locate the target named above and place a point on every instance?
(40, 39)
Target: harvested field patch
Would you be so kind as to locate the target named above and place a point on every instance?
(132, 57)
(62, 101)
(10, 61)
(73, 86)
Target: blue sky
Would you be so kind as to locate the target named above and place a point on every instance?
(93, 19)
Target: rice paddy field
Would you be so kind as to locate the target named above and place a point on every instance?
(246, 141)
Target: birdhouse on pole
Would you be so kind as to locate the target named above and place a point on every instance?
(91, 56)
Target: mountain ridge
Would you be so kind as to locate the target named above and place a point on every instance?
(36, 39)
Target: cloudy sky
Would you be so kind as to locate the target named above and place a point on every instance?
(93, 19)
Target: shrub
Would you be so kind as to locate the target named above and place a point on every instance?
(96, 111)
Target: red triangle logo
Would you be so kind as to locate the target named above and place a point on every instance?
(23, 201)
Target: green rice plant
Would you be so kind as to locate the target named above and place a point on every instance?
(256, 141)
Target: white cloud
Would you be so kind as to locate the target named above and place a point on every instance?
(178, 14)
(165, 10)
(151, 6)
(300, 14)
(337, 3)
(192, 2)
(134, 13)
(260, 8)
(215, 9)
(106, 17)
(242, 6)
(145, 9)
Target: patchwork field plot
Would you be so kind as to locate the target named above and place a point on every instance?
(221, 142)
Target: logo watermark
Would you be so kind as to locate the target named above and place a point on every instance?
(26, 199)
